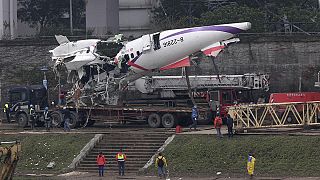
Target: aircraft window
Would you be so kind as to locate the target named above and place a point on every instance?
(126, 57)
(156, 41)
(132, 55)
(138, 53)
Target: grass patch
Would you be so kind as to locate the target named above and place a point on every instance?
(276, 155)
(38, 150)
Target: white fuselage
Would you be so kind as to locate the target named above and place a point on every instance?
(175, 45)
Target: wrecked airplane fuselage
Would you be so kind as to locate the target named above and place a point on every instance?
(101, 77)
(88, 70)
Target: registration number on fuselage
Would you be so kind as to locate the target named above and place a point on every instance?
(173, 42)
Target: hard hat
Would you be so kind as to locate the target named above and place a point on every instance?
(31, 105)
(46, 108)
(64, 107)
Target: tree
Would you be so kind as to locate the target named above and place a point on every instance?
(47, 13)
(265, 16)
(232, 14)
(177, 13)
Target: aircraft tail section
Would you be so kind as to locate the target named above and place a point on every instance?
(62, 39)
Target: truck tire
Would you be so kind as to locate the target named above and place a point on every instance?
(154, 120)
(56, 119)
(22, 120)
(73, 123)
(168, 120)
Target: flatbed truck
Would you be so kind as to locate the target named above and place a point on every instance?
(164, 101)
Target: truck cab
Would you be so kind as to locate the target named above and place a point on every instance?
(20, 99)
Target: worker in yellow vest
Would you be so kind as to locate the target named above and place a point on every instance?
(250, 164)
(6, 111)
(121, 158)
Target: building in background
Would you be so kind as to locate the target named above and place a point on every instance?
(135, 16)
(8, 19)
(102, 17)
(128, 17)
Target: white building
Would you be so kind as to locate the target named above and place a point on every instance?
(135, 16)
(129, 17)
(8, 19)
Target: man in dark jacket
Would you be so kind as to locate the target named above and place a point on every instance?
(194, 117)
(230, 126)
(47, 118)
(33, 116)
(66, 117)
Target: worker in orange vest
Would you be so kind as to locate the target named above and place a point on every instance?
(217, 125)
(121, 158)
(101, 161)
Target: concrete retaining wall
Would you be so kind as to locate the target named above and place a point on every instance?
(286, 58)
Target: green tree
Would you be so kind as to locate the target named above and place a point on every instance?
(232, 14)
(177, 13)
(47, 13)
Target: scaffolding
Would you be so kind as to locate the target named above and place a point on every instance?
(292, 114)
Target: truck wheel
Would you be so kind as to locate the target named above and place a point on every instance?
(168, 120)
(154, 120)
(73, 119)
(56, 118)
(22, 120)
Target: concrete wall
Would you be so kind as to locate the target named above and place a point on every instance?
(286, 59)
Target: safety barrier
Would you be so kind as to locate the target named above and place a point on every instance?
(275, 115)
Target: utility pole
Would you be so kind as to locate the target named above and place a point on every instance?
(71, 25)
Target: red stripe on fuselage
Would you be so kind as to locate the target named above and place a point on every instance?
(182, 63)
(210, 50)
(136, 66)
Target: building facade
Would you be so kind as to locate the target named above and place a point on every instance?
(8, 19)
(103, 17)
(128, 17)
(135, 16)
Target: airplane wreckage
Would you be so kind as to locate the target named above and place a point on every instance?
(100, 79)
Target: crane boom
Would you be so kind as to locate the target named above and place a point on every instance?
(245, 81)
